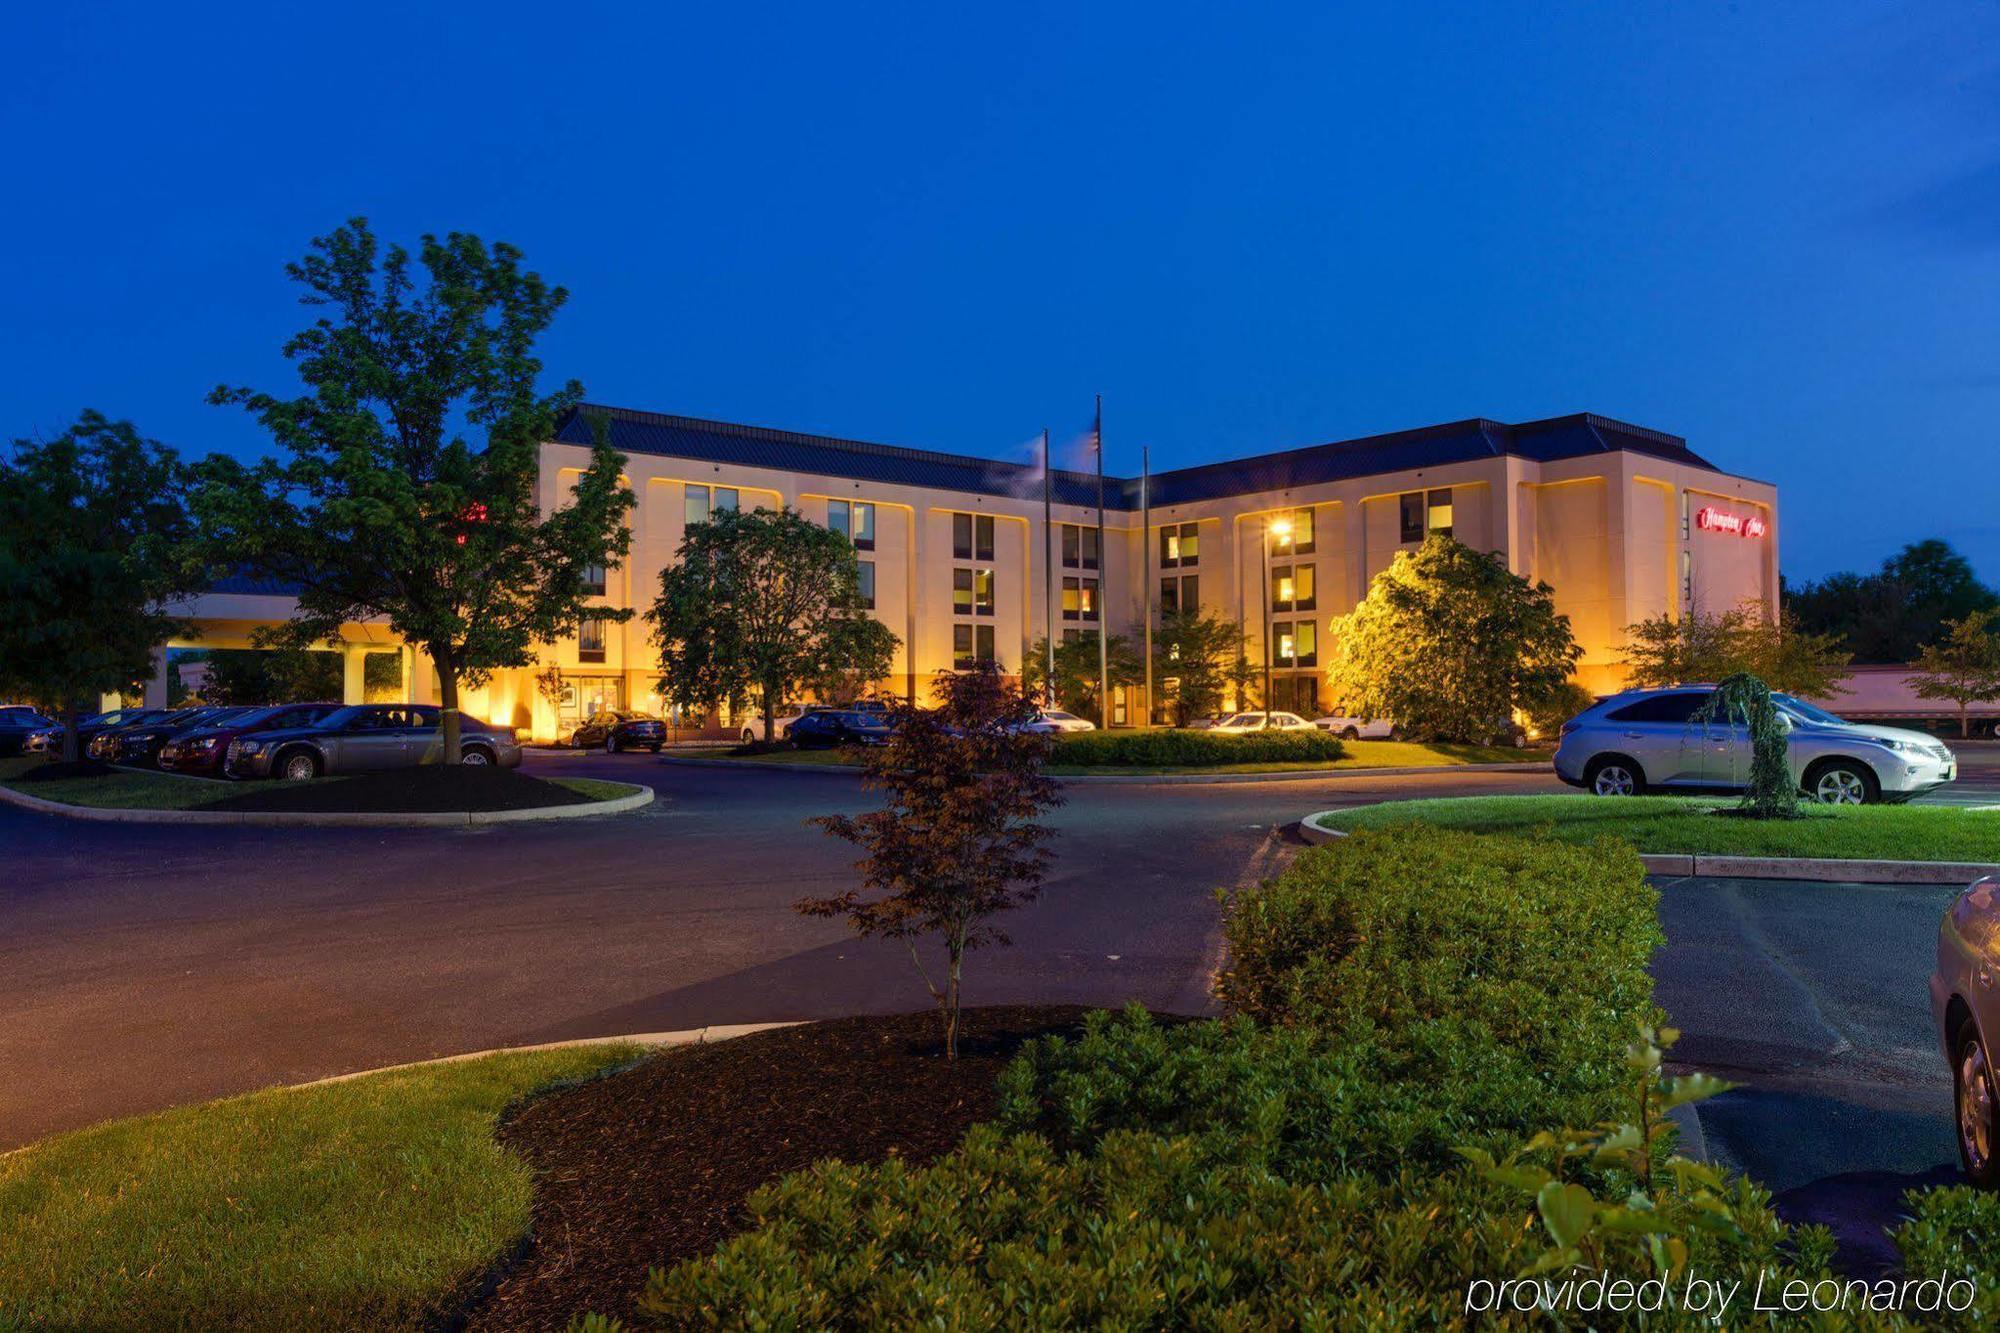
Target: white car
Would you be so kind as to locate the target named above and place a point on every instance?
(1050, 719)
(753, 727)
(1357, 729)
(1240, 723)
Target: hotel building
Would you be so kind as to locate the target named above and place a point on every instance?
(1623, 522)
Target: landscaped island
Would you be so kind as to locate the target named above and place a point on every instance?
(1703, 825)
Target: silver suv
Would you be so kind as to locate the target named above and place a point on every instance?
(363, 737)
(1628, 743)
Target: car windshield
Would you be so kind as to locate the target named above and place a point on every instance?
(1060, 717)
(1243, 720)
(1801, 709)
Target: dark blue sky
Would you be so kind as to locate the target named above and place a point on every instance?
(1774, 229)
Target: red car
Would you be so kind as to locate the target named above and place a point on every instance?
(201, 750)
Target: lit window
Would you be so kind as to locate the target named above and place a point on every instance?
(590, 640)
(866, 584)
(1281, 588)
(1305, 644)
(1087, 598)
(1072, 599)
(961, 592)
(1439, 522)
(1302, 588)
(1292, 534)
(864, 526)
(982, 592)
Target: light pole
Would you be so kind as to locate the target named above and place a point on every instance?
(1279, 528)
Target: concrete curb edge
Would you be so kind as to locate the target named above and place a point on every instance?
(682, 1037)
(1685, 864)
(641, 795)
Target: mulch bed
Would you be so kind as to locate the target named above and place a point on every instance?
(58, 771)
(432, 789)
(652, 1165)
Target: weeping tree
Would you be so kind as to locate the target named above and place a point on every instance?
(1746, 699)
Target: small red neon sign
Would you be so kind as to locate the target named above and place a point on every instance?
(1711, 519)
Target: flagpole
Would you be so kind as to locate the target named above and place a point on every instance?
(1048, 580)
(1103, 569)
(1146, 566)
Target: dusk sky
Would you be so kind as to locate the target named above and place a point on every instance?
(1772, 229)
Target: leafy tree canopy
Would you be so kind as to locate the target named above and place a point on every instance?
(1704, 646)
(381, 503)
(1963, 666)
(1196, 658)
(763, 604)
(1449, 643)
(1890, 615)
(1076, 671)
(96, 546)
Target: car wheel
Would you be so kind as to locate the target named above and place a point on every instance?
(611, 745)
(1976, 1105)
(1350, 733)
(1842, 782)
(749, 736)
(655, 749)
(299, 766)
(1614, 775)
(475, 757)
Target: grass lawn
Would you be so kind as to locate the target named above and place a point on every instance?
(144, 790)
(365, 1203)
(1688, 824)
(595, 789)
(1360, 754)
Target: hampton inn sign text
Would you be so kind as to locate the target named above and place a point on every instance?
(1711, 519)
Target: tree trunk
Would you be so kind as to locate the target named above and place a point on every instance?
(956, 950)
(1964, 723)
(770, 712)
(448, 701)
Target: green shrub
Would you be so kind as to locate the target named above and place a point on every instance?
(1956, 1231)
(1300, 1102)
(1171, 749)
(1543, 945)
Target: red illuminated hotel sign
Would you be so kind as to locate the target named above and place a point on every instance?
(1711, 519)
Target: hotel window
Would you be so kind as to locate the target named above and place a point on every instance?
(1684, 516)
(1079, 599)
(590, 640)
(866, 583)
(701, 501)
(1292, 588)
(1080, 549)
(972, 592)
(1299, 541)
(1438, 522)
(972, 536)
(1413, 516)
(1687, 580)
(1072, 636)
(971, 645)
(1180, 545)
(1182, 594)
(1297, 644)
(854, 520)
(593, 580)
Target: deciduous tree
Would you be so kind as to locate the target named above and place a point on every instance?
(96, 547)
(1772, 792)
(1703, 646)
(1449, 643)
(763, 604)
(1892, 614)
(1195, 657)
(959, 840)
(1964, 666)
(380, 504)
(1076, 671)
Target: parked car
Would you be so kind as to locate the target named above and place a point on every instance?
(1966, 1009)
(825, 728)
(1650, 739)
(1357, 729)
(19, 725)
(109, 744)
(90, 729)
(1239, 723)
(139, 746)
(362, 738)
(1051, 719)
(201, 750)
(619, 730)
(753, 727)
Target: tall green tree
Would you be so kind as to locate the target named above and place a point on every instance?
(406, 482)
(1076, 671)
(1890, 615)
(1449, 643)
(1700, 645)
(1964, 666)
(1195, 658)
(959, 839)
(1744, 698)
(96, 547)
(763, 604)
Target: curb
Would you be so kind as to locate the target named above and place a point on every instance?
(641, 795)
(682, 1037)
(1152, 779)
(1688, 864)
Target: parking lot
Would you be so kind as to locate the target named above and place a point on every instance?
(145, 966)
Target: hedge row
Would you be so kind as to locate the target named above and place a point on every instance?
(1166, 749)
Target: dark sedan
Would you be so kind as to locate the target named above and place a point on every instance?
(825, 728)
(109, 742)
(617, 731)
(363, 738)
(138, 746)
(89, 729)
(201, 750)
(17, 724)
